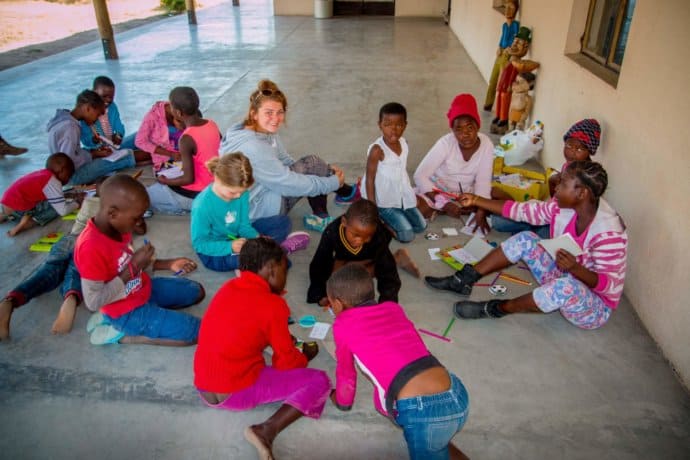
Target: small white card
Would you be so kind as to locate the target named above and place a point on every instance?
(319, 331)
(565, 241)
(450, 231)
(467, 229)
(117, 154)
(433, 253)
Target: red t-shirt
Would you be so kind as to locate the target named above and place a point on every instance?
(26, 192)
(243, 318)
(99, 258)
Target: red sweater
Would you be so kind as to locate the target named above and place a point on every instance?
(243, 318)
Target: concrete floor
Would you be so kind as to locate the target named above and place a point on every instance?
(539, 387)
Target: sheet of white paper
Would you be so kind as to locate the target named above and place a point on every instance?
(564, 241)
(117, 154)
(450, 231)
(467, 229)
(433, 253)
(478, 247)
(462, 256)
(172, 172)
(319, 331)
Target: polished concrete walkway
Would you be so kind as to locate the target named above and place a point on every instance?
(539, 387)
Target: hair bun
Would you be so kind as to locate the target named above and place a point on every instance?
(267, 84)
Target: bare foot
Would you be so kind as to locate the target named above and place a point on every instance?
(404, 261)
(6, 308)
(263, 447)
(65, 318)
(25, 223)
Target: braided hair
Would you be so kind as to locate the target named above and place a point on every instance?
(233, 169)
(590, 174)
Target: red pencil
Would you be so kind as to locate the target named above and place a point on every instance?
(440, 337)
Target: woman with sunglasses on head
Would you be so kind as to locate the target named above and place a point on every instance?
(280, 181)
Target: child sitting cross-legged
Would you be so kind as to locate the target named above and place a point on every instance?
(220, 216)
(411, 386)
(246, 315)
(134, 308)
(584, 288)
(358, 237)
(37, 198)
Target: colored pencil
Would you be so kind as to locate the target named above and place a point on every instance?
(232, 237)
(440, 337)
(515, 279)
(495, 279)
(481, 284)
(178, 273)
(452, 320)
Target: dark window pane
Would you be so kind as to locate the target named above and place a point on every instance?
(603, 27)
(623, 35)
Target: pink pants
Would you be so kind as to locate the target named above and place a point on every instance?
(304, 389)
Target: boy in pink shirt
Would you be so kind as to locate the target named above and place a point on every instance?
(410, 385)
(37, 198)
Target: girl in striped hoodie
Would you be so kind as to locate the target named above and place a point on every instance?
(587, 288)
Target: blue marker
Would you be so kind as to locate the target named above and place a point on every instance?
(178, 273)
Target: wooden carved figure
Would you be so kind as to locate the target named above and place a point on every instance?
(520, 101)
(508, 32)
(515, 66)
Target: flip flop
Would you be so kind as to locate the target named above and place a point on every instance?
(96, 319)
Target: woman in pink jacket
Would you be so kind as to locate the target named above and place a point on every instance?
(159, 134)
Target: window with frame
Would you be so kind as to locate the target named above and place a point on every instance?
(606, 31)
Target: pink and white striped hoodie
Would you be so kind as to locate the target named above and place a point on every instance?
(604, 248)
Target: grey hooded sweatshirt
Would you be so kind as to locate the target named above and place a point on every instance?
(63, 136)
(273, 178)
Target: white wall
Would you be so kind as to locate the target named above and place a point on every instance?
(644, 145)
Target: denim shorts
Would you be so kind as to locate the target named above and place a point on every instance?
(157, 318)
(430, 422)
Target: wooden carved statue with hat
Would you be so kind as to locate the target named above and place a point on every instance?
(508, 32)
(516, 65)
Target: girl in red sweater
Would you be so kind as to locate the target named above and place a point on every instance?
(246, 315)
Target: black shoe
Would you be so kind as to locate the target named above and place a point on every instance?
(448, 283)
(474, 310)
(460, 282)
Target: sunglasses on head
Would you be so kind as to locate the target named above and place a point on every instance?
(268, 92)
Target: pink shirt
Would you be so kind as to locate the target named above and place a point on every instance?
(382, 340)
(153, 133)
(207, 140)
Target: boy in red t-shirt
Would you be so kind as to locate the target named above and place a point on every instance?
(134, 308)
(37, 198)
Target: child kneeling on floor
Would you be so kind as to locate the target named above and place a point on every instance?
(358, 237)
(220, 216)
(134, 308)
(37, 198)
(246, 315)
(410, 384)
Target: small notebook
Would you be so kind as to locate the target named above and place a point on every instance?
(565, 241)
(474, 251)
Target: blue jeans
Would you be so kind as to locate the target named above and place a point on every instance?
(128, 142)
(276, 227)
(165, 201)
(57, 270)
(404, 222)
(430, 422)
(505, 225)
(156, 319)
(42, 213)
(99, 167)
(220, 263)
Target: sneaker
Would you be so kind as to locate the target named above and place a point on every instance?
(97, 319)
(105, 334)
(316, 223)
(348, 200)
(295, 241)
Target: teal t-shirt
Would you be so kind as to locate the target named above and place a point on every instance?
(214, 219)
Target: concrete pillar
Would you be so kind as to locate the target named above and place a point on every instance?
(105, 29)
(191, 12)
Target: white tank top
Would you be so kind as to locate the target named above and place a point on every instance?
(393, 188)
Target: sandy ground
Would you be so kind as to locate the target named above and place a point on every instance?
(34, 29)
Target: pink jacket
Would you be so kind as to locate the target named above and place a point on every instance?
(382, 340)
(153, 133)
(605, 246)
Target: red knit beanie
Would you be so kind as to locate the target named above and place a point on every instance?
(463, 104)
